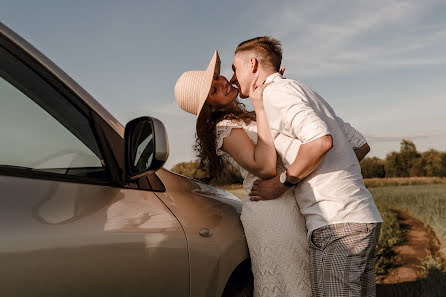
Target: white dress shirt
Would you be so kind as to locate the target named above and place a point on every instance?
(334, 192)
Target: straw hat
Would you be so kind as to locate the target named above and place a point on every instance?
(192, 88)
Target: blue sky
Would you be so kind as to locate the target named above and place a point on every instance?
(380, 64)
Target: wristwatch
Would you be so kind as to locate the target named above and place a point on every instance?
(282, 179)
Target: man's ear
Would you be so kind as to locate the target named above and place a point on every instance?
(254, 64)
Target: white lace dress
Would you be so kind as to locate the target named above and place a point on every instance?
(275, 231)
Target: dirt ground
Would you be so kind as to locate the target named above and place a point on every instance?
(421, 242)
(404, 279)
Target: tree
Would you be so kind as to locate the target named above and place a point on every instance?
(417, 168)
(407, 162)
(192, 169)
(399, 164)
(372, 167)
(392, 165)
(430, 163)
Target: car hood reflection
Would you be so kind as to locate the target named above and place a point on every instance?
(135, 214)
(217, 194)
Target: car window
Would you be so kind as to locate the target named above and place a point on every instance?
(40, 129)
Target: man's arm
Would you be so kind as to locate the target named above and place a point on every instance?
(355, 138)
(295, 116)
(309, 157)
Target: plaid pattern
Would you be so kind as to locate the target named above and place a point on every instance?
(342, 260)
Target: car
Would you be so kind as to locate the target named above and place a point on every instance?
(86, 207)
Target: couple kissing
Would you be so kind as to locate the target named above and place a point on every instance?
(310, 223)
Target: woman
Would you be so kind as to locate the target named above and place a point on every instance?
(275, 229)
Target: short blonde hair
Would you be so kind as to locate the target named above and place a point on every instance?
(268, 49)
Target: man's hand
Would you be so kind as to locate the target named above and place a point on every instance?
(362, 151)
(267, 189)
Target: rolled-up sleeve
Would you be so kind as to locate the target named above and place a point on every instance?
(353, 136)
(290, 111)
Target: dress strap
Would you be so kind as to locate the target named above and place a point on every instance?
(223, 130)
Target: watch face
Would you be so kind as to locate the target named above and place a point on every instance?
(282, 177)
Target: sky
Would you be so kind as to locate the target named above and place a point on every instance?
(380, 64)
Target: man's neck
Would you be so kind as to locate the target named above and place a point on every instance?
(263, 75)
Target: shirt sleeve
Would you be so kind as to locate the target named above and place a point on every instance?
(354, 137)
(290, 111)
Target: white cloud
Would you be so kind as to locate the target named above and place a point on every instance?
(330, 38)
(323, 39)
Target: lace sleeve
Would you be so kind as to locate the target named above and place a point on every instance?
(223, 130)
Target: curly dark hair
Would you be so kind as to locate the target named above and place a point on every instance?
(205, 137)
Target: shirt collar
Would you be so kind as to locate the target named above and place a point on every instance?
(272, 77)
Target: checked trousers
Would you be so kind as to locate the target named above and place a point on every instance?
(342, 260)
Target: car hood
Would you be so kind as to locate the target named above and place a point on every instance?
(178, 185)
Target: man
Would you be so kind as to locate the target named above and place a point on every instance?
(342, 220)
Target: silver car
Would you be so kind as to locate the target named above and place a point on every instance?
(86, 208)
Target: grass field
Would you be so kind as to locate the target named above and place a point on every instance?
(422, 198)
(426, 201)
(403, 181)
(392, 234)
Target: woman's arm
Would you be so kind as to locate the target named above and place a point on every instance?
(259, 159)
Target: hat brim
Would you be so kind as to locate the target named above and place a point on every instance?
(213, 68)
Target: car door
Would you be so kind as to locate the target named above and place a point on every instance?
(66, 227)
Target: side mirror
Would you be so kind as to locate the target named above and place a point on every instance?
(146, 146)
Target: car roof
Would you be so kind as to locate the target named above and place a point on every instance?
(63, 77)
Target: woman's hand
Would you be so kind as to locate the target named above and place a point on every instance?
(256, 92)
(260, 158)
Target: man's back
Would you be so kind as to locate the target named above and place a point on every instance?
(334, 192)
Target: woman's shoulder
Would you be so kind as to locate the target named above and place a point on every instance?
(231, 123)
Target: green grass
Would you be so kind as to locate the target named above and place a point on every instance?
(392, 234)
(424, 199)
(432, 285)
(427, 203)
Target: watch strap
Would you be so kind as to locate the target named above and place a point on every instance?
(290, 185)
(285, 182)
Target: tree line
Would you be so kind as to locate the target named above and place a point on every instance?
(408, 162)
(192, 169)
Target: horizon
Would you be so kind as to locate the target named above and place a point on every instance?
(380, 65)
